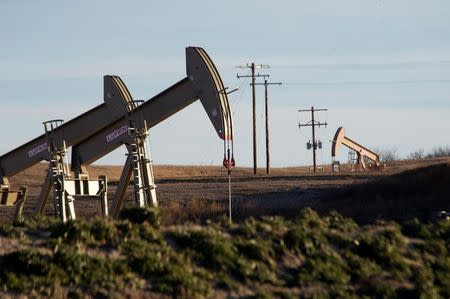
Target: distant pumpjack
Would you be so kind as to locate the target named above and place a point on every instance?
(361, 151)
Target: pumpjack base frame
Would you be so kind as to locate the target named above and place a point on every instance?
(17, 198)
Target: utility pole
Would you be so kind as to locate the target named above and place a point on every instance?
(252, 66)
(313, 124)
(266, 106)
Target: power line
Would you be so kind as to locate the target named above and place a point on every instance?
(374, 82)
(367, 65)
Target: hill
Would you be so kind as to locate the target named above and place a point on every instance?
(270, 257)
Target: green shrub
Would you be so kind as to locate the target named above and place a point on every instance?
(423, 280)
(311, 257)
(138, 215)
(441, 229)
(328, 269)
(340, 240)
(341, 223)
(11, 231)
(263, 227)
(309, 219)
(416, 229)
(441, 269)
(87, 271)
(103, 230)
(304, 241)
(213, 250)
(27, 270)
(260, 250)
(384, 247)
(37, 222)
(379, 288)
(268, 229)
(166, 271)
(72, 232)
(361, 268)
(436, 247)
(209, 248)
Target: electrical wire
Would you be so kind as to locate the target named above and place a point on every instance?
(417, 65)
(362, 83)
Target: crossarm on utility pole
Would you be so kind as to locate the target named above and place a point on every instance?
(313, 123)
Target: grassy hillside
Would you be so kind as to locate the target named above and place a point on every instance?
(309, 256)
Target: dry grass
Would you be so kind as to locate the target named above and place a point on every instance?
(196, 193)
(420, 193)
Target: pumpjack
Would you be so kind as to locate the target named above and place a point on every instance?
(120, 120)
(361, 151)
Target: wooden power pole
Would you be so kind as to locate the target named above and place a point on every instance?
(313, 124)
(253, 67)
(266, 108)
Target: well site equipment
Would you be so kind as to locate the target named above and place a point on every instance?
(120, 120)
(362, 152)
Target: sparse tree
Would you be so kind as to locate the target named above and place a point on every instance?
(416, 155)
(388, 155)
(441, 151)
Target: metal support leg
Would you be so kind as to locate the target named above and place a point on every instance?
(103, 181)
(360, 162)
(20, 203)
(151, 187)
(122, 188)
(43, 196)
(134, 152)
(70, 207)
(59, 198)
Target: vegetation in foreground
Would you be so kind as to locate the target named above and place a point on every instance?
(310, 257)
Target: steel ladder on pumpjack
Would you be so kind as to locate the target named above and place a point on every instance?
(141, 163)
(64, 206)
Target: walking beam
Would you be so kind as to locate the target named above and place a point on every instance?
(75, 130)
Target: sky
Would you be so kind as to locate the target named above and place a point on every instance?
(381, 68)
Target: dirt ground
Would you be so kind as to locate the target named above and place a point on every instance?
(195, 193)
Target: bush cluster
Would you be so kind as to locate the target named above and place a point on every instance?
(308, 257)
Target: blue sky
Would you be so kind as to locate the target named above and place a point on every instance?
(382, 68)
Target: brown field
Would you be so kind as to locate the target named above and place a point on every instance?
(404, 189)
